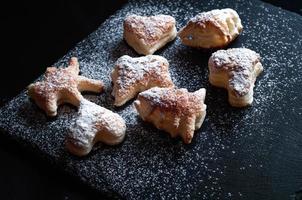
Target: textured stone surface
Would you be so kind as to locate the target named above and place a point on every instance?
(238, 153)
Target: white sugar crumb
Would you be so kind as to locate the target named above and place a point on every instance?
(153, 95)
(151, 165)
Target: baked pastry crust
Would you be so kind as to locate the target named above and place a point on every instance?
(176, 111)
(62, 85)
(148, 34)
(236, 70)
(212, 29)
(94, 124)
(133, 75)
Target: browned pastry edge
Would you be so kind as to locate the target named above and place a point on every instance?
(211, 30)
(62, 85)
(94, 124)
(235, 70)
(176, 111)
(148, 34)
(133, 75)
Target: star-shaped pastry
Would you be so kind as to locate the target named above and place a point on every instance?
(235, 70)
(133, 75)
(176, 111)
(148, 34)
(62, 85)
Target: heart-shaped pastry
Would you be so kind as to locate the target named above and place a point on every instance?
(148, 34)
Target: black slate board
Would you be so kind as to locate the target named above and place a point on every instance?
(252, 153)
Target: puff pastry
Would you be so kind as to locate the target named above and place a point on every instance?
(176, 111)
(94, 124)
(62, 85)
(213, 29)
(133, 75)
(148, 34)
(236, 70)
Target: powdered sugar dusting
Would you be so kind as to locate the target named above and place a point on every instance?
(56, 80)
(93, 119)
(237, 152)
(132, 75)
(177, 100)
(150, 28)
(240, 64)
(132, 70)
(219, 17)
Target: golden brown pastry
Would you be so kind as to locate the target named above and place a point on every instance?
(133, 75)
(236, 70)
(148, 34)
(62, 85)
(94, 124)
(176, 111)
(212, 29)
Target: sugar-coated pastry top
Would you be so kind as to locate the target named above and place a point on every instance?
(212, 29)
(147, 34)
(218, 18)
(94, 123)
(62, 85)
(133, 75)
(178, 101)
(149, 29)
(240, 64)
(176, 111)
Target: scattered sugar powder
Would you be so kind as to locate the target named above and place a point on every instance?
(151, 165)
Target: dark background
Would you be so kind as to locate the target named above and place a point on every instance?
(35, 35)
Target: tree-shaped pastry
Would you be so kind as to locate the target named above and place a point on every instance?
(176, 111)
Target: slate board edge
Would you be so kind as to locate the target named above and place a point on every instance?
(44, 154)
